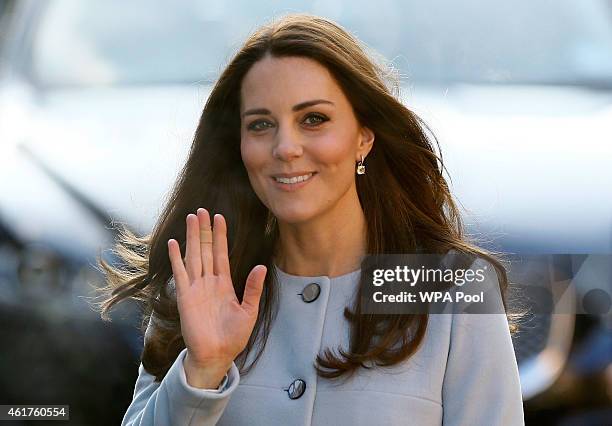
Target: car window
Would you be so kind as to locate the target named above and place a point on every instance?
(438, 41)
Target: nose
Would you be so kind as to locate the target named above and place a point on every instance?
(287, 145)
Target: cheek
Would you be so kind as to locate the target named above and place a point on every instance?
(335, 151)
(253, 156)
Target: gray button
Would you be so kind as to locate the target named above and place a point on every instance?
(310, 292)
(296, 389)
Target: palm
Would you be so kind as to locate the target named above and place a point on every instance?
(214, 325)
(212, 320)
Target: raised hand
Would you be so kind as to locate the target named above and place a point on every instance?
(214, 325)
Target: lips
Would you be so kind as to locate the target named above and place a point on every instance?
(294, 174)
(292, 181)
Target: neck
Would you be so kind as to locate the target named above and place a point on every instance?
(331, 244)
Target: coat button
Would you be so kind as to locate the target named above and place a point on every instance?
(310, 292)
(296, 389)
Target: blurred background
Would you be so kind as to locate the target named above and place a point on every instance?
(99, 102)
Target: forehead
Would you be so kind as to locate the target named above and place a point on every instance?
(287, 80)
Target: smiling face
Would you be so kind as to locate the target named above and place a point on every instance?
(298, 126)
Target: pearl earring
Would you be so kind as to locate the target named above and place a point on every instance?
(361, 167)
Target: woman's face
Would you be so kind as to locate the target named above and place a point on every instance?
(300, 139)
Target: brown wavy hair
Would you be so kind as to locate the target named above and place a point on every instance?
(404, 196)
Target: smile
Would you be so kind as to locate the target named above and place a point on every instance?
(292, 183)
(295, 179)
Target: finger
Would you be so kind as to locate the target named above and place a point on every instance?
(205, 241)
(220, 251)
(192, 256)
(181, 279)
(253, 290)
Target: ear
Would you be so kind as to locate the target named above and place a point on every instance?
(366, 142)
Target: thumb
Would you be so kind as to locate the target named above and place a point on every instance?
(253, 289)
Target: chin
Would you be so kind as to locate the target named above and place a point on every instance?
(293, 215)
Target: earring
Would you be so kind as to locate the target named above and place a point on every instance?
(361, 167)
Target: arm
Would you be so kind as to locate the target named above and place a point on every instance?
(174, 401)
(481, 382)
(204, 290)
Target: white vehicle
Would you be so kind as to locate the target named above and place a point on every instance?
(99, 102)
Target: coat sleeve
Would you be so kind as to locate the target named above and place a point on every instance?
(174, 402)
(481, 381)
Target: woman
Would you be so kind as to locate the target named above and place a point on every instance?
(309, 164)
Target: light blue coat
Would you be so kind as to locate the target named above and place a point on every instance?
(464, 373)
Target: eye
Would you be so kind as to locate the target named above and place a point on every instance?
(256, 125)
(318, 119)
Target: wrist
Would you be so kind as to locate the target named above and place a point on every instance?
(205, 375)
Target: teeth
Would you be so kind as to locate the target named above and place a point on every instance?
(295, 179)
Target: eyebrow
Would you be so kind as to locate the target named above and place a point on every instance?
(297, 107)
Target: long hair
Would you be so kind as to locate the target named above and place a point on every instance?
(404, 196)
